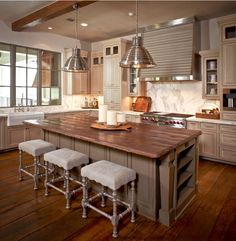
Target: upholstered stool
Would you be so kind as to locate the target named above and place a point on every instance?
(113, 176)
(35, 148)
(66, 159)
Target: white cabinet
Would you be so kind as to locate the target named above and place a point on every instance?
(133, 118)
(115, 78)
(210, 73)
(97, 73)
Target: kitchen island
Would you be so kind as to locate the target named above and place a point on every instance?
(165, 159)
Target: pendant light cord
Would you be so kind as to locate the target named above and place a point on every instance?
(76, 7)
(136, 18)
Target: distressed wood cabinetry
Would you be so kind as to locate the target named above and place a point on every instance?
(3, 124)
(217, 142)
(115, 78)
(228, 143)
(228, 70)
(97, 73)
(76, 83)
(210, 73)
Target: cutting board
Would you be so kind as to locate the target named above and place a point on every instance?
(99, 126)
(142, 104)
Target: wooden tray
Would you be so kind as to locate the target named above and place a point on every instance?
(208, 116)
(99, 126)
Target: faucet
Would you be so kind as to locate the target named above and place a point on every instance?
(19, 108)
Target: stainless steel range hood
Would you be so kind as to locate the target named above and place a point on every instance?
(174, 46)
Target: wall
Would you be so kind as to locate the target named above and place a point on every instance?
(186, 97)
(47, 41)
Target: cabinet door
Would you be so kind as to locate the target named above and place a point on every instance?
(228, 64)
(79, 83)
(208, 144)
(15, 135)
(97, 79)
(111, 71)
(33, 133)
(3, 127)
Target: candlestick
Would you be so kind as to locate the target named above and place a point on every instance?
(102, 113)
(111, 118)
(120, 117)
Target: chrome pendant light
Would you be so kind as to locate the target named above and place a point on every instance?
(76, 63)
(137, 56)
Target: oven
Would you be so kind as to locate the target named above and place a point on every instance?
(176, 120)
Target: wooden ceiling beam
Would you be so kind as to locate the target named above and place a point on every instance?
(44, 14)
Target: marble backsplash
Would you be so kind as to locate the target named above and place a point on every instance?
(180, 97)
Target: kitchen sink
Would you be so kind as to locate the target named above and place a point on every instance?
(18, 117)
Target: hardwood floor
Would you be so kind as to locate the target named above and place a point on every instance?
(26, 214)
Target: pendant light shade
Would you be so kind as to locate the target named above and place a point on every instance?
(76, 63)
(137, 56)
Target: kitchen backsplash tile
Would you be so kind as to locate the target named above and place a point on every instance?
(178, 97)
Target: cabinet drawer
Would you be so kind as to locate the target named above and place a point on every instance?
(228, 128)
(208, 126)
(192, 125)
(228, 154)
(227, 139)
(229, 116)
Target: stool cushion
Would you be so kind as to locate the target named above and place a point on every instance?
(36, 147)
(66, 158)
(108, 174)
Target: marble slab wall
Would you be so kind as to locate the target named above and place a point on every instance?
(180, 97)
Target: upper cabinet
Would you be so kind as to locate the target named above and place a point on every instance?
(115, 78)
(97, 72)
(210, 73)
(76, 83)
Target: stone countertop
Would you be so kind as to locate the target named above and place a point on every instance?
(146, 140)
(52, 111)
(225, 122)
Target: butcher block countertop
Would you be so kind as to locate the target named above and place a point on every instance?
(146, 140)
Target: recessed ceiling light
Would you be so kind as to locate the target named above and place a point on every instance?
(131, 14)
(84, 24)
(50, 28)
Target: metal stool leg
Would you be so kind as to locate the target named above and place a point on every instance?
(132, 202)
(46, 179)
(35, 172)
(20, 165)
(67, 194)
(85, 197)
(115, 218)
(103, 202)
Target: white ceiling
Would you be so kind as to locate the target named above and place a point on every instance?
(108, 19)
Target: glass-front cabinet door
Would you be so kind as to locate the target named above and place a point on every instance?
(135, 86)
(210, 76)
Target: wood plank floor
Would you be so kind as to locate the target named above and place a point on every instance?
(26, 214)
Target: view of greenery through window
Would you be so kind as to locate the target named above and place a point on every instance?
(29, 77)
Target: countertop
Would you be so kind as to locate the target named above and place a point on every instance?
(146, 140)
(225, 122)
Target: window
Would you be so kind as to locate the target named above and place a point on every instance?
(29, 77)
(5, 75)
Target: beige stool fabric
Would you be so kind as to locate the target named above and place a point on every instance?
(66, 159)
(113, 176)
(35, 148)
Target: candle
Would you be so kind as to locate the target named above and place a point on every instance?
(102, 113)
(120, 117)
(111, 118)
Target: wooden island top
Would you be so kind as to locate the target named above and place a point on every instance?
(147, 140)
(165, 159)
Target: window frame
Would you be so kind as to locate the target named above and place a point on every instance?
(39, 87)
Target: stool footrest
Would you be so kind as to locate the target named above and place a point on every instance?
(99, 211)
(55, 187)
(118, 200)
(26, 172)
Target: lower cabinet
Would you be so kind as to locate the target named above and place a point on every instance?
(217, 141)
(20, 133)
(228, 143)
(3, 124)
(132, 118)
